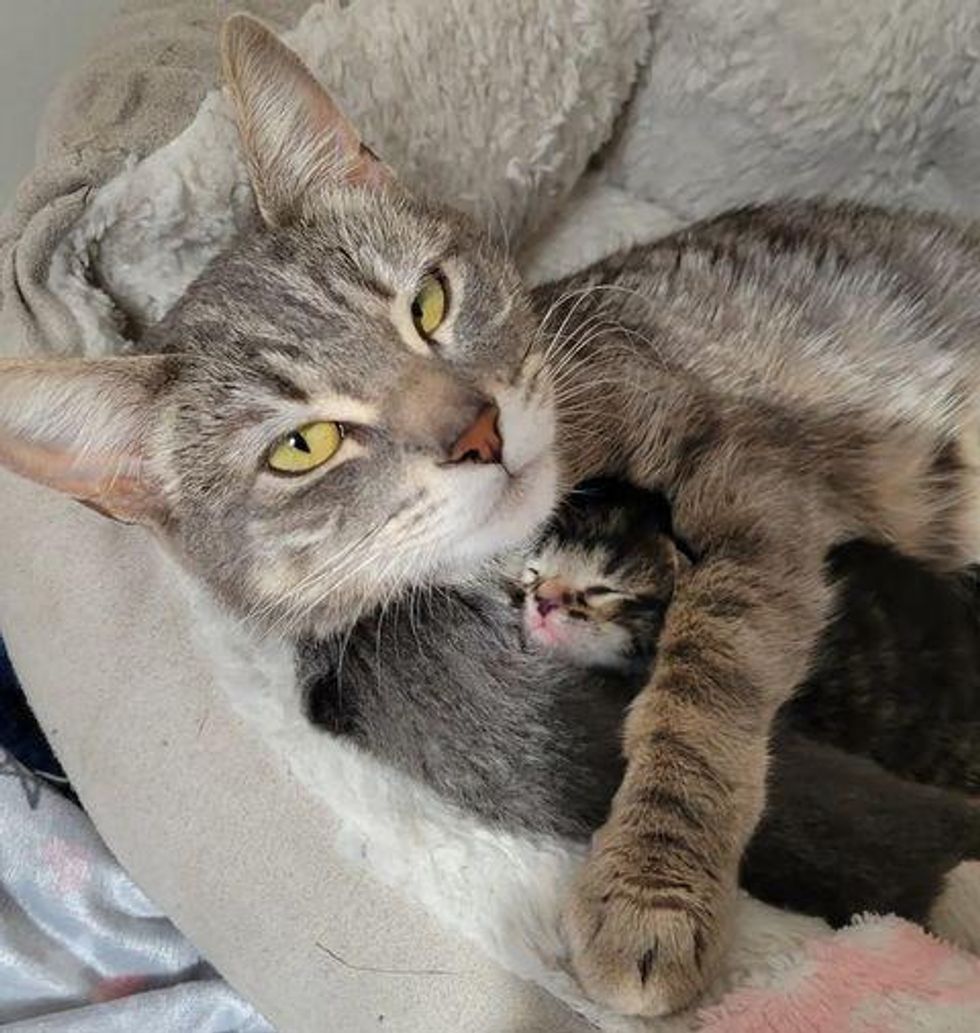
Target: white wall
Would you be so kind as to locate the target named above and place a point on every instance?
(39, 39)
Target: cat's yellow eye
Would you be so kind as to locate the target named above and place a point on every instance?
(306, 448)
(429, 305)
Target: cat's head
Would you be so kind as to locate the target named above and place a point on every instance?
(347, 403)
(597, 583)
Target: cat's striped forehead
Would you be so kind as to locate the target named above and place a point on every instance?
(327, 308)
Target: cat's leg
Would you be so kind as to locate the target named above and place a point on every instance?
(917, 436)
(931, 513)
(915, 491)
(650, 915)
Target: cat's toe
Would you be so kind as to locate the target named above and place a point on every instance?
(639, 952)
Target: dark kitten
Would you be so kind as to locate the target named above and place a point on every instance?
(841, 836)
(897, 674)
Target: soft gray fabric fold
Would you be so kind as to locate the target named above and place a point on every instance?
(135, 91)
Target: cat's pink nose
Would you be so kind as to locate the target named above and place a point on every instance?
(545, 606)
(481, 441)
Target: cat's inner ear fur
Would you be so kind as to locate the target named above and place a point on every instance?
(298, 143)
(81, 427)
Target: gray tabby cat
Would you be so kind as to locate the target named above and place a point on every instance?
(361, 400)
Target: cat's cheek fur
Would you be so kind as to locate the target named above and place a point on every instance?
(527, 426)
(488, 510)
(607, 646)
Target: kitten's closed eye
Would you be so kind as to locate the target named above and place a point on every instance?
(600, 591)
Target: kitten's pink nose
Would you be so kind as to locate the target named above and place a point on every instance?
(548, 596)
(481, 441)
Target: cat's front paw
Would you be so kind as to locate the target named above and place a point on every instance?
(643, 942)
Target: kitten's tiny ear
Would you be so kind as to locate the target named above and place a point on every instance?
(81, 427)
(298, 142)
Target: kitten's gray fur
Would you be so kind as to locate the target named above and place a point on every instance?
(791, 376)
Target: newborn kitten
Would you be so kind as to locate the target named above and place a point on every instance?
(896, 675)
(598, 581)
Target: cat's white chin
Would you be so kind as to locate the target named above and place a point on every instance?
(498, 508)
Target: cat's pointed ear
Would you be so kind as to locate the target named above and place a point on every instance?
(82, 427)
(297, 141)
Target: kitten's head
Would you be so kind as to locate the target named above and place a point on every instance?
(345, 404)
(598, 582)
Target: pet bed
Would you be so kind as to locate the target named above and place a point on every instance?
(330, 891)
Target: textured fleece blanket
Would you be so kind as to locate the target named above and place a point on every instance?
(574, 126)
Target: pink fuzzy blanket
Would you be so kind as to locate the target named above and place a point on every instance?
(880, 975)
